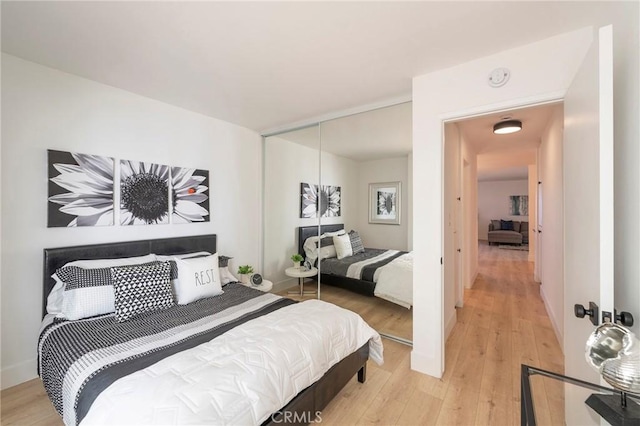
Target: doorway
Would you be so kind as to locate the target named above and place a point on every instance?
(482, 174)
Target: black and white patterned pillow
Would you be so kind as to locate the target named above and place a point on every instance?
(356, 242)
(141, 288)
(87, 292)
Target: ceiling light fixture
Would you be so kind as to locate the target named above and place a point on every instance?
(506, 127)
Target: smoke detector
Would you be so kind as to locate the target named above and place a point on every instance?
(499, 77)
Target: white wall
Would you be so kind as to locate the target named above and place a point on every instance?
(540, 71)
(493, 202)
(550, 173)
(343, 172)
(377, 235)
(44, 108)
(286, 165)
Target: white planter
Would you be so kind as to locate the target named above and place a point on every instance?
(296, 265)
(244, 278)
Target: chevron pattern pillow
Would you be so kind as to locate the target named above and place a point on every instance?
(356, 242)
(141, 288)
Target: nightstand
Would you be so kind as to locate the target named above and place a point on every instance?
(301, 274)
(264, 286)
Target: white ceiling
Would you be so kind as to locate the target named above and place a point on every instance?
(372, 135)
(263, 65)
(506, 157)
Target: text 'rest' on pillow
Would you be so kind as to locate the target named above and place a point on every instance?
(197, 278)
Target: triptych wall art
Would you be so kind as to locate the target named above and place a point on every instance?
(84, 190)
(319, 200)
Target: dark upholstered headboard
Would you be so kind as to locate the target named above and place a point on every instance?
(55, 258)
(305, 232)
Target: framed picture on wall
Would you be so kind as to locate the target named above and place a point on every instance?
(384, 203)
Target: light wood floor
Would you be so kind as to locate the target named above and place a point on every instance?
(502, 325)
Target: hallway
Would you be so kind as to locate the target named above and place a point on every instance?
(503, 324)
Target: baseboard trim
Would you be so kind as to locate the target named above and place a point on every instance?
(451, 322)
(474, 277)
(553, 320)
(18, 373)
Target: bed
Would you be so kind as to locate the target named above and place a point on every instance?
(387, 274)
(242, 357)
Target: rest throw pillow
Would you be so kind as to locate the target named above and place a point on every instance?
(356, 242)
(496, 225)
(141, 288)
(197, 278)
(342, 244)
(506, 225)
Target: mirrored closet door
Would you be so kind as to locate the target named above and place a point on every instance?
(345, 184)
(365, 172)
(291, 179)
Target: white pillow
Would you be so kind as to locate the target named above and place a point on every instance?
(327, 252)
(226, 276)
(342, 244)
(197, 278)
(110, 263)
(55, 297)
(311, 247)
(164, 258)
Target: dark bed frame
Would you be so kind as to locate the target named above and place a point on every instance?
(302, 409)
(352, 284)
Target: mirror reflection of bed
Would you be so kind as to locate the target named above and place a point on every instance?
(345, 155)
(376, 283)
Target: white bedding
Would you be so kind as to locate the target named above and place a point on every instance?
(242, 376)
(395, 281)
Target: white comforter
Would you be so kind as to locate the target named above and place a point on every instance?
(244, 375)
(395, 281)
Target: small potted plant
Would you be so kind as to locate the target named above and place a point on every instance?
(245, 272)
(296, 260)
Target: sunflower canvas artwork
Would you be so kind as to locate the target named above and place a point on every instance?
(319, 201)
(190, 195)
(144, 193)
(80, 189)
(384, 203)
